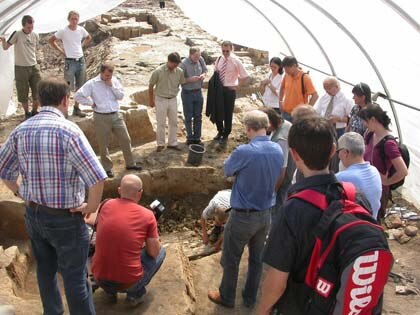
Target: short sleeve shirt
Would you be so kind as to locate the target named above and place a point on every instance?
(293, 94)
(193, 69)
(72, 41)
(373, 153)
(269, 98)
(167, 81)
(25, 47)
(356, 123)
(221, 199)
(123, 227)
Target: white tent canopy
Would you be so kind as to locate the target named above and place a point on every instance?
(376, 42)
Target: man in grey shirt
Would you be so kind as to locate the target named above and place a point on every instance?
(192, 98)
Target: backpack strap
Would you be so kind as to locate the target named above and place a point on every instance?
(313, 197)
(99, 211)
(382, 148)
(302, 83)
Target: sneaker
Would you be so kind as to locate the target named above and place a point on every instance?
(134, 168)
(218, 136)
(78, 112)
(110, 174)
(111, 297)
(134, 301)
(215, 234)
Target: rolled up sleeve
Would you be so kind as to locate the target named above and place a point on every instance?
(9, 163)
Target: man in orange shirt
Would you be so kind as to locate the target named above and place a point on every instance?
(296, 88)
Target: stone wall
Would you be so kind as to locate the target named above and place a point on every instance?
(138, 124)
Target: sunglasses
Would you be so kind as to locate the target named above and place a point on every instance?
(360, 86)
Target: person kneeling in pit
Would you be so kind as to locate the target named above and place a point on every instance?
(128, 252)
(217, 210)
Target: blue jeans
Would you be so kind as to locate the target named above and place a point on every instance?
(75, 71)
(192, 103)
(60, 243)
(150, 267)
(242, 229)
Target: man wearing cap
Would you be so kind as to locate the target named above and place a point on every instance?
(27, 72)
(74, 38)
(351, 147)
(163, 89)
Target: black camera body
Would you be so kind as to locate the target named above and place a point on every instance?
(158, 209)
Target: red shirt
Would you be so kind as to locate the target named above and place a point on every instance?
(123, 227)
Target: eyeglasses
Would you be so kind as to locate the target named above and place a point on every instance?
(338, 150)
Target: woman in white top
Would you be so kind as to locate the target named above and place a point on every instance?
(272, 84)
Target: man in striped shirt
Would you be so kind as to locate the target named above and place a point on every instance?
(56, 164)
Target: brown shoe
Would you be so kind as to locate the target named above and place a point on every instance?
(174, 147)
(160, 148)
(215, 297)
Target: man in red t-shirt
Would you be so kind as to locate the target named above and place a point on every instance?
(128, 251)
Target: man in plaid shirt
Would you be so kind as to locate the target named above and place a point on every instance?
(56, 163)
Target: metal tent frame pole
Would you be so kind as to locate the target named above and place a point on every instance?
(321, 48)
(367, 56)
(407, 17)
(272, 24)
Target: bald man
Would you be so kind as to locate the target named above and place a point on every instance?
(334, 105)
(121, 262)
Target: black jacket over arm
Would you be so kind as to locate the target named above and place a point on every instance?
(215, 104)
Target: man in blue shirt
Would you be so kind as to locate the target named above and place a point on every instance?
(364, 176)
(256, 167)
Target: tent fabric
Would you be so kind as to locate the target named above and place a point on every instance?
(49, 16)
(376, 42)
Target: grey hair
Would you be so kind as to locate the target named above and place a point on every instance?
(353, 142)
(256, 120)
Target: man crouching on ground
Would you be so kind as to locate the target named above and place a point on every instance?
(121, 262)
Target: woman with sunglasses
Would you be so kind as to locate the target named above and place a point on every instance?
(382, 153)
(272, 84)
(362, 97)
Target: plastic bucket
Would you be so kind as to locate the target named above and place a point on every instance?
(195, 154)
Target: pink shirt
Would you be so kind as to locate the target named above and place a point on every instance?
(234, 70)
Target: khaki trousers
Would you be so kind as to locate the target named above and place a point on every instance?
(166, 108)
(104, 126)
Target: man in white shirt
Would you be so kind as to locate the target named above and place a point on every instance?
(334, 105)
(351, 147)
(74, 38)
(103, 93)
(216, 210)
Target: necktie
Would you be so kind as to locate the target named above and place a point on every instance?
(223, 71)
(329, 108)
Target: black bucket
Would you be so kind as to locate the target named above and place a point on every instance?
(195, 154)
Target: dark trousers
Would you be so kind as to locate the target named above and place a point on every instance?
(224, 127)
(60, 244)
(162, 4)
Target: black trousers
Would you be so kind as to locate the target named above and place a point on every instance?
(162, 4)
(224, 127)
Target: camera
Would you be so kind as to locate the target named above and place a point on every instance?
(158, 208)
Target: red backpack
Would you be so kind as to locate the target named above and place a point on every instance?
(350, 259)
